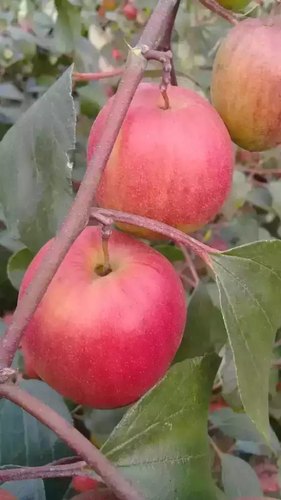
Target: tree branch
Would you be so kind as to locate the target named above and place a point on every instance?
(43, 472)
(86, 77)
(107, 216)
(78, 215)
(94, 458)
(220, 11)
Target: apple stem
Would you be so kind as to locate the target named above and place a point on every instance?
(165, 58)
(106, 231)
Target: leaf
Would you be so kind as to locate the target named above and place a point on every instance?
(29, 489)
(23, 439)
(17, 265)
(240, 427)
(275, 191)
(161, 443)
(171, 252)
(238, 477)
(249, 278)
(35, 187)
(205, 330)
(68, 26)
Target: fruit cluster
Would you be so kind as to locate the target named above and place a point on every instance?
(104, 336)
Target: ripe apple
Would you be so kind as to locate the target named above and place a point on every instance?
(103, 341)
(6, 495)
(130, 11)
(173, 165)
(83, 483)
(245, 85)
(235, 5)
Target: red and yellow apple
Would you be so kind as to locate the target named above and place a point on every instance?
(245, 85)
(130, 11)
(84, 483)
(173, 165)
(103, 341)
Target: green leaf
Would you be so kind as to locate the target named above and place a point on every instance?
(161, 444)
(249, 279)
(29, 489)
(171, 252)
(68, 26)
(35, 187)
(17, 265)
(23, 439)
(238, 478)
(205, 331)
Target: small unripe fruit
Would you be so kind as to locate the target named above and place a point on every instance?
(172, 165)
(246, 80)
(234, 5)
(103, 341)
(130, 11)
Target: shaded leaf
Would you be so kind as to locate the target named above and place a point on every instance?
(161, 443)
(68, 26)
(249, 278)
(238, 477)
(205, 331)
(35, 187)
(23, 439)
(17, 265)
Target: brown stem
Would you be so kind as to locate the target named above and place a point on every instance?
(165, 43)
(43, 472)
(78, 215)
(86, 77)
(220, 11)
(100, 214)
(122, 488)
(190, 265)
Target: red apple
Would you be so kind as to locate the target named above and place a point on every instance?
(103, 341)
(130, 11)
(173, 165)
(246, 83)
(6, 495)
(83, 483)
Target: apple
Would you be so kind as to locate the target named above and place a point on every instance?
(234, 5)
(245, 86)
(104, 340)
(83, 483)
(130, 11)
(6, 495)
(173, 165)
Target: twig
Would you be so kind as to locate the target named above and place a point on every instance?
(215, 447)
(190, 265)
(78, 215)
(94, 458)
(102, 214)
(44, 472)
(260, 170)
(220, 11)
(165, 43)
(86, 77)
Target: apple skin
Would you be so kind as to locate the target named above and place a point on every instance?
(130, 11)
(246, 76)
(172, 165)
(6, 495)
(103, 341)
(83, 483)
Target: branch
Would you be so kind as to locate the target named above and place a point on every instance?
(220, 11)
(86, 77)
(43, 472)
(94, 458)
(78, 215)
(107, 216)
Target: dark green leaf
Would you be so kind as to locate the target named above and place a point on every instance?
(30, 489)
(161, 443)
(205, 330)
(17, 265)
(249, 279)
(35, 187)
(238, 478)
(24, 440)
(171, 252)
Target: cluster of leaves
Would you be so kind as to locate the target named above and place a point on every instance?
(160, 443)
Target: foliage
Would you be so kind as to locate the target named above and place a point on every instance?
(160, 443)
